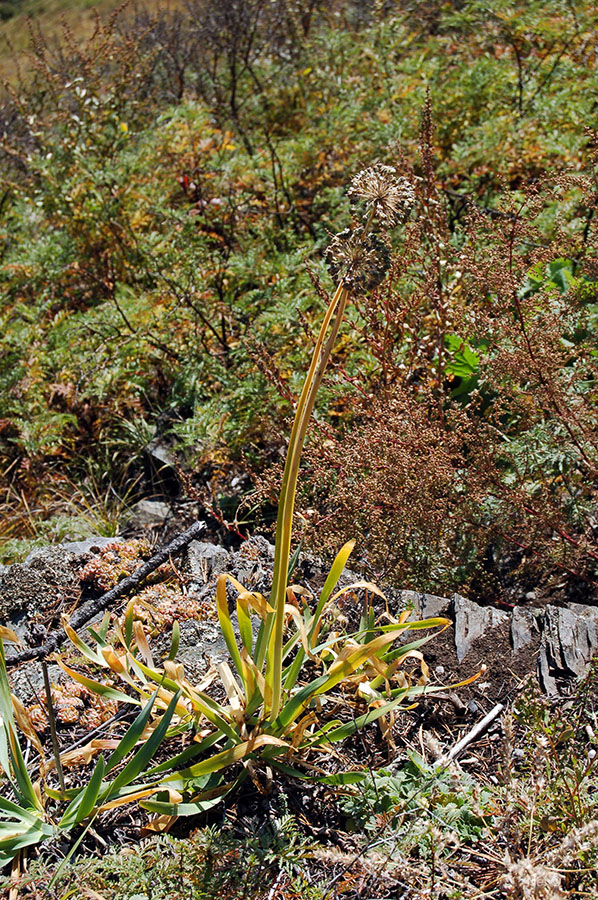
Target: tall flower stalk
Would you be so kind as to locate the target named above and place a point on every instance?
(359, 258)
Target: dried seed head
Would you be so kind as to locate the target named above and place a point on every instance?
(528, 879)
(389, 197)
(358, 259)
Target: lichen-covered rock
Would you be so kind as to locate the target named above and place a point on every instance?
(45, 578)
(39, 583)
(206, 561)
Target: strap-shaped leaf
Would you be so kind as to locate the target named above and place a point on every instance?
(244, 620)
(83, 804)
(132, 735)
(295, 706)
(187, 754)
(336, 570)
(82, 647)
(11, 756)
(128, 622)
(180, 809)
(142, 643)
(8, 809)
(97, 687)
(13, 841)
(201, 702)
(228, 757)
(338, 778)
(350, 659)
(175, 640)
(201, 803)
(7, 634)
(291, 673)
(348, 728)
(100, 633)
(226, 625)
(145, 753)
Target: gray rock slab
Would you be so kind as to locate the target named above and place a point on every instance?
(148, 514)
(569, 642)
(425, 606)
(472, 622)
(206, 561)
(526, 625)
(76, 549)
(160, 466)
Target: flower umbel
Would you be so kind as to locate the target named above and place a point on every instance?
(388, 197)
(357, 259)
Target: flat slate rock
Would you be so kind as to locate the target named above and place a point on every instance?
(472, 622)
(425, 606)
(569, 642)
(526, 626)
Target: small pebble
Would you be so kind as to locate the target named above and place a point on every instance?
(439, 670)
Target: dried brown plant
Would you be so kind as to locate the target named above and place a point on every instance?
(487, 479)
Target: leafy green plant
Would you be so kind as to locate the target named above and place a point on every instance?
(40, 812)
(407, 797)
(212, 862)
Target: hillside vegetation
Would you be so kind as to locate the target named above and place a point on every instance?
(169, 187)
(197, 200)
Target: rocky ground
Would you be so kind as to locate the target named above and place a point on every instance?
(545, 649)
(555, 643)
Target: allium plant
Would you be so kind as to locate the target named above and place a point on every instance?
(278, 671)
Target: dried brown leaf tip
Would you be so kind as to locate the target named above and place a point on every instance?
(387, 196)
(358, 259)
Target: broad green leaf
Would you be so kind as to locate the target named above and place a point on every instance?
(132, 735)
(244, 621)
(8, 808)
(349, 728)
(338, 778)
(187, 754)
(180, 809)
(12, 842)
(227, 757)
